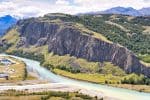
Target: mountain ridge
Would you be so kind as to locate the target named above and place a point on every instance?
(124, 11)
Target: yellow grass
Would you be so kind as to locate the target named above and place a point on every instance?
(141, 88)
(96, 78)
(117, 25)
(31, 97)
(86, 31)
(11, 36)
(19, 71)
(146, 64)
(147, 29)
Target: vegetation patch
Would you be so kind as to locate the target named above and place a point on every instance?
(50, 95)
(145, 58)
(95, 78)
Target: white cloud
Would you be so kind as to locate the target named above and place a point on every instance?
(33, 8)
(105, 4)
(62, 2)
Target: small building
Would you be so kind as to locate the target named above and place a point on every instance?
(5, 61)
(4, 75)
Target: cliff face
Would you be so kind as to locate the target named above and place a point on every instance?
(64, 38)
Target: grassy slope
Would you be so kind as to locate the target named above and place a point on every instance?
(12, 37)
(85, 30)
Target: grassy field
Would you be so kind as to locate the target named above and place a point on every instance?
(96, 78)
(17, 71)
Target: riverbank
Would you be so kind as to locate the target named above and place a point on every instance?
(59, 87)
(46, 95)
(14, 68)
(140, 88)
(99, 79)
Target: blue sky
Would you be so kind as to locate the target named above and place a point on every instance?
(30, 8)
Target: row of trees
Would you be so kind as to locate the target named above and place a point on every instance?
(135, 79)
(69, 69)
(30, 55)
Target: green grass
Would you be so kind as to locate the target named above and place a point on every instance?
(96, 78)
(145, 58)
(109, 68)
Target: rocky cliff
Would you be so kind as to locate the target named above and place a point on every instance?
(69, 38)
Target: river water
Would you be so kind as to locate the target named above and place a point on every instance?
(122, 94)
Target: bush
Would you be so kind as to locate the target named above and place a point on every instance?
(25, 74)
(135, 79)
(69, 69)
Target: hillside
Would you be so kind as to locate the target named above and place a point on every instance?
(63, 35)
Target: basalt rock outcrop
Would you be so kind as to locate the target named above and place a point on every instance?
(64, 38)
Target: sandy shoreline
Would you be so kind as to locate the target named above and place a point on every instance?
(56, 87)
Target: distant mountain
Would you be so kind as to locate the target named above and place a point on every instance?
(6, 22)
(125, 11)
(122, 10)
(145, 11)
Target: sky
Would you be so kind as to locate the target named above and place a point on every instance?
(34, 8)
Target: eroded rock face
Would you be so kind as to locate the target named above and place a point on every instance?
(3, 43)
(64, 39)
(22, 42)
